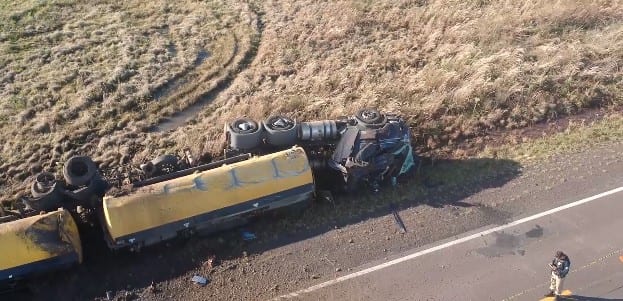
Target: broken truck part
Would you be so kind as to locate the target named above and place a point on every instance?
(271, 164)
(198, 201)
(368, 147)
(38, 244)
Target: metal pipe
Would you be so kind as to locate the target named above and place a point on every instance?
(318, 130)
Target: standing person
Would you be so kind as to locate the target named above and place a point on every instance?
(560, 267)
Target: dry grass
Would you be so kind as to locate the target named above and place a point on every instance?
(456, 68)
(72, 72)
(102, 73)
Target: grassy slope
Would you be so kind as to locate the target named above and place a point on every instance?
(456, 69)
(72, 72)
(576, 137)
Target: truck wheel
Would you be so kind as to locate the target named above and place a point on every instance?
(44, 183)
(45, 192)
(95, 188)
(281, 130)
(244, 133)
(370, 118)
(46, 203)
(79, 170)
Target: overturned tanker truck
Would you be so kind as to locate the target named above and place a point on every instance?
(266, 166)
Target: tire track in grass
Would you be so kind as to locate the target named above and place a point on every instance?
(183, 116)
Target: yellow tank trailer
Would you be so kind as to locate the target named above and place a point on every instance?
(204, 200)
(38, 244)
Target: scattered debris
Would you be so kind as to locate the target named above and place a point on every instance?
(189, 158)
(210, 263)
(325, 195)
(350, 241)
(247, 236)
(231, 267)
(200, 280)
(398, 220)
(338, 270)
(128, 296)
(315, 276)
(153, 289)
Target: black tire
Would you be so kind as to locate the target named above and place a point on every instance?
(244, 133)
(370, 118)
(281, 130)
(47, 203)
(44, 183)
(79, 170)
(45, 192)
(96, 188)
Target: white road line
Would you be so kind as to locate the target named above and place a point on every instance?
(448, 244)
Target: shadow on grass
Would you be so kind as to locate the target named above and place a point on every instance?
(441, 184)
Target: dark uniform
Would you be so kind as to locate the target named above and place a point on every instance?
(560, 268)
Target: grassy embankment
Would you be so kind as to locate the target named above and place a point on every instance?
(458, 70)
(91, 77)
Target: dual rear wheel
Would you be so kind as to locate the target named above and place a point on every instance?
(247, 134)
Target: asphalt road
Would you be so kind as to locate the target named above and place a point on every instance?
(505, 262)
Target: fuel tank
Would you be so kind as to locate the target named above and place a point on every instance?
(38, 244)
(207, 199)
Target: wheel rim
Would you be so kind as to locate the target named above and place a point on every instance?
(281, 123)
(244, 126)
(46, 179)
(369, 115)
